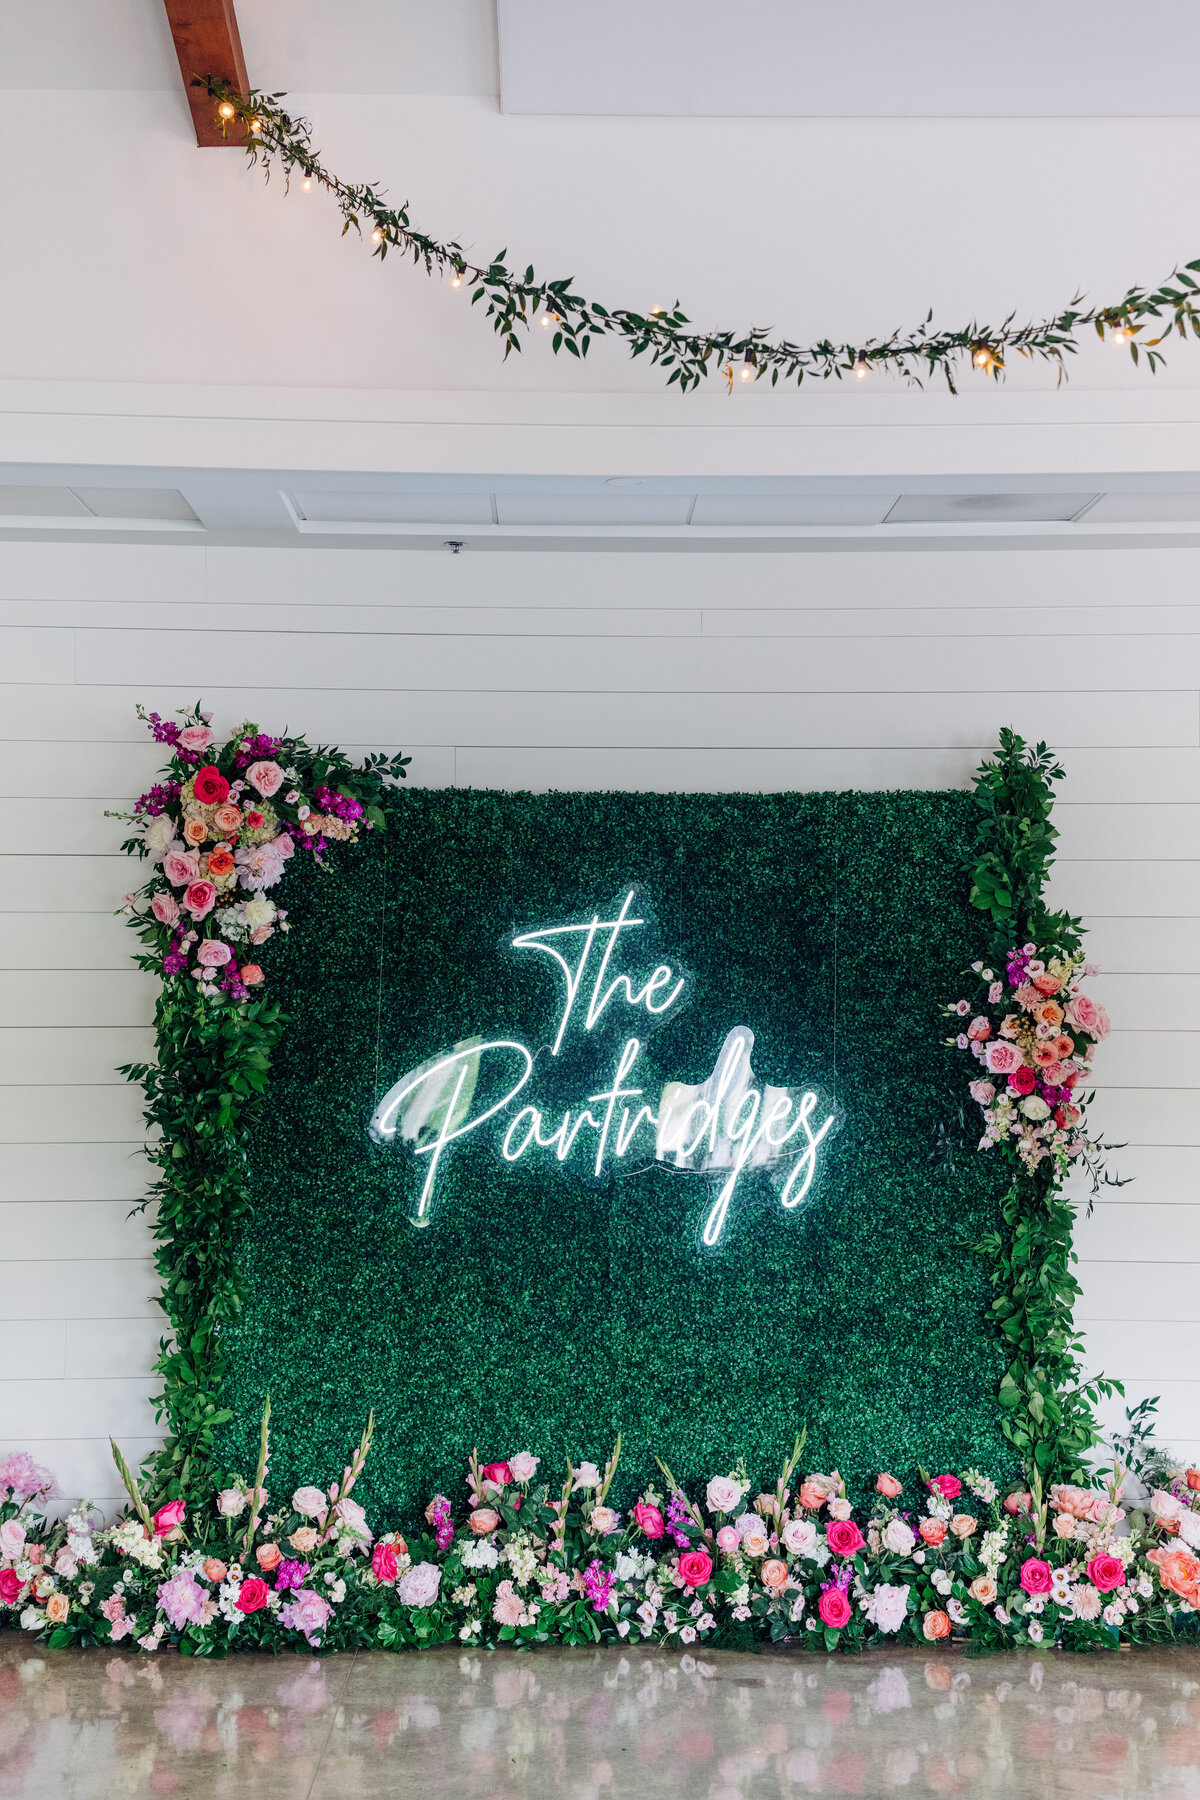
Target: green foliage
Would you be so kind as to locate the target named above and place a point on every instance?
(513, 301)
(540, 1311)
(1047, 1403)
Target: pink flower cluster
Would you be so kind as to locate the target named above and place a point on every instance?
(1032, 1030)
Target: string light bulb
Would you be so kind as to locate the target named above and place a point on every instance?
(1120, 333)
(456, 279)
(306, 185)
(749, 366)
(862, 367)
(226, 111)
(256, 126)
(983, 357)
(377, 236)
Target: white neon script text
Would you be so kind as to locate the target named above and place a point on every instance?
(721, 1127)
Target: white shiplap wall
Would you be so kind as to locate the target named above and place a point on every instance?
(575, 670)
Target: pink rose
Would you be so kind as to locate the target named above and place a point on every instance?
(695, 1568)
(1106, 1573)
(252, 1595)
(181, 866)
(195, 737)
(266, 777)
(1002, 1057)
(165, 908)
(888, 1485)
(1036, 1577)
(932, 1531)
(1103, 1023)
(10, 1587)
(383, 1563)
(948, 1486)
(983, 1092)
(199, 897)
(498, 1473)
(844, 1537)
(1018, 1502)
(283, 848)
(649, 1520)
(524, 1468)
(728, 1539)
(213, 954)
(168, 1517)
(834, 1608)
(979, 1029)
(1083, 1013)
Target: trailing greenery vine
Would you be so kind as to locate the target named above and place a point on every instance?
(1048, 1402)
(514, 302)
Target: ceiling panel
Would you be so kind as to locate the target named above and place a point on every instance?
(134, 503)
(419, 508)
(862, 58)
(40, 503)
(612, 508)
(786, 509)
(987, 509)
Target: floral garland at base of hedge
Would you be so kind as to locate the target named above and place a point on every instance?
(525, 1563)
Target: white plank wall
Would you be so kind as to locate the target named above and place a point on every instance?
(577, 670)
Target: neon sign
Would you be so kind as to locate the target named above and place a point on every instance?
(721, 1127)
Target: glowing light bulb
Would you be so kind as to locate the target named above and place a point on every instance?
(306, 185)
(547, 319)
(1121, 333)
(377, 236)
(256, 125)
(226, 111)
(983, 357)
(749, 367)
(862, 367)
(456, 279)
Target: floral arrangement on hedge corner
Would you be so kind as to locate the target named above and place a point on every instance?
(220, 827)
(1031, 1032)
(524, 1564)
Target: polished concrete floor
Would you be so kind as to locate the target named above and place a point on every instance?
(597, 1725)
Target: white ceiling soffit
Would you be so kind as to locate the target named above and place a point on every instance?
(989, 509)
(862, 58)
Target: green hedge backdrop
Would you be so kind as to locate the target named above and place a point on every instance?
(540, 1312)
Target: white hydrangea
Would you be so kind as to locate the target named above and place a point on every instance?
(632, 1565)
(482, 1554)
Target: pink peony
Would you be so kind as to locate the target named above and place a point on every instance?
(199, 898)
(508, 1605)
(181, 866)
(1036, 1577)
(165, 908)
(260, 865)
(306, 1612)
(213, 954)
(419, 1585)
(265, 777)
(168, 1517)
(1002, 1057)
(195, 737)
(183, 1600)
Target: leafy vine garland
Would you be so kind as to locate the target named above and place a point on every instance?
(666, 334)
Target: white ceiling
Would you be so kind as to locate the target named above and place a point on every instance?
(859, 58)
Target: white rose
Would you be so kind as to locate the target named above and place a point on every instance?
(898, 1537)
(799, 1536)
(587, 1475)
(840, 1509)
(231, 1502)
(1034, 1107)
(724, 1493)
(523, 1466)
(160, 837)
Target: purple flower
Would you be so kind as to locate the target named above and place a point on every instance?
(259, 748)
(160, 796)
(290, 1575)
(174, 963)
(444, 1536)
(677, 1513)
(340, 805)
(598, 1584)
(163, 731)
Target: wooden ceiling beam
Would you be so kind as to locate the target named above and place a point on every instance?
(207, 43)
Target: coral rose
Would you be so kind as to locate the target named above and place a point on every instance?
(1049, 1013)
(834, 1608)
(215, 1569)
(57, 1608)
(194, 831)
(250, 974)
(210, 786)
(252, 1595)
(936, 1625)
(305, 1539)
(695, 1568)
(269, 1557)
(649, 1520)
(199, 898)
(1106, 1572)
(1193, 1480)
(844, 1537)
(774, 1575)
(1179, 1571)
(815, 1491)
(227, 818)
(887, 1484)
(220, 862)
(265, 777)
(983, 1589)
(933, 1531)
(1046, 984)
(948, 1486)
(1036, 1576)
(483, 1520)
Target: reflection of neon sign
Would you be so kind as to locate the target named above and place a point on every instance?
(721, 1127)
